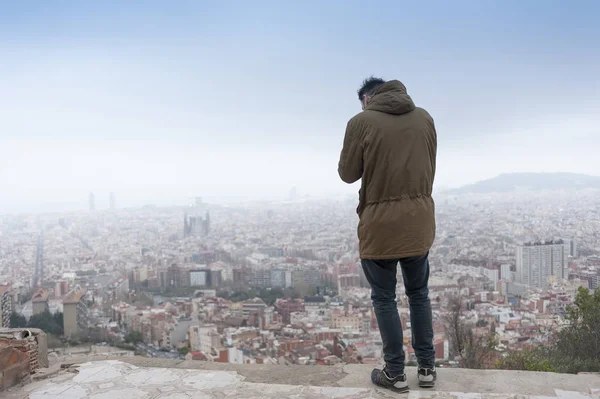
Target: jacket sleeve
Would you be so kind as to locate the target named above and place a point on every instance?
(350, 166)
(433, 148)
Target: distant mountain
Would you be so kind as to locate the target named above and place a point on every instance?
(530, 182)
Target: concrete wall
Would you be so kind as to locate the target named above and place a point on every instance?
(70, 320)
(42, 341)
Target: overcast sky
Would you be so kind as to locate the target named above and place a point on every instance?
(162, 101)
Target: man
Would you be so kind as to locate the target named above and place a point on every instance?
(392, 146)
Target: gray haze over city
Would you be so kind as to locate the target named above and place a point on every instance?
(167, 105)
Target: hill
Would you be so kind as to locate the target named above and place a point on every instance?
(531, 182)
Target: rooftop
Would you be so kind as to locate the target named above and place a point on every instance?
(314, 299)
(74, 296)
(139, 377)
(540, 243)
(41, 295)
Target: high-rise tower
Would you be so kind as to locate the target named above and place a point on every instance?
(536, 262)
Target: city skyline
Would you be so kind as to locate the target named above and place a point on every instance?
(501, 184)
(283, 281)
(158, 103)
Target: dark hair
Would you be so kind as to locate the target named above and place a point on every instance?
(369, 86)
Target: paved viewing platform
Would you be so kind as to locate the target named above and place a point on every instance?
(138, 377)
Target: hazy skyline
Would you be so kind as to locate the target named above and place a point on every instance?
(159, 102)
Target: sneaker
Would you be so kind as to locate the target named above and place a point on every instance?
(382, 379)
(427, 377)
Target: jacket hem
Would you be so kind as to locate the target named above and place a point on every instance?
(401, 255)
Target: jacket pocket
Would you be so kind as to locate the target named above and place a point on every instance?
(361, 203)
(360, 230)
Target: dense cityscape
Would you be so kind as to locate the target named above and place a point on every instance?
(282, 283)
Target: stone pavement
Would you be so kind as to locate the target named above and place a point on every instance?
(114, 379)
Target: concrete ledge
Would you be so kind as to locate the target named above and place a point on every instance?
(358, 376)
(487, 381)
(127, 377)
(268, 374)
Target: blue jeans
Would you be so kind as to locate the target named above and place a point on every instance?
(381, 274)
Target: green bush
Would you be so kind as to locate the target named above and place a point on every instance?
(529, 360)
(133, 338)
(48, 322)
(576, 347)
(17, 320)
